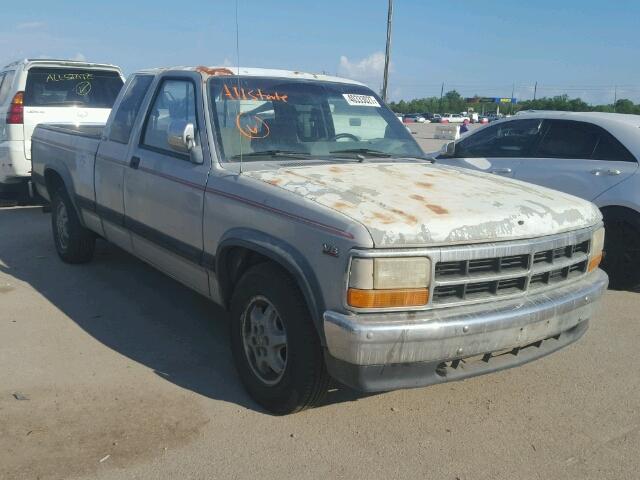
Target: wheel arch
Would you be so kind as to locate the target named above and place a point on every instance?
(53, 179)
(242, 248)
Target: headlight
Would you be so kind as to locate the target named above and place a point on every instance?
(389, 282)
(597, 244)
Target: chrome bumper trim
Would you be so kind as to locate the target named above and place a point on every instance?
(459, 332)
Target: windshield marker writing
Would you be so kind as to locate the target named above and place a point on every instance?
(58, 77)
(235, 93)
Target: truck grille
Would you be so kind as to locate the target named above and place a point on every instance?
(491, 271)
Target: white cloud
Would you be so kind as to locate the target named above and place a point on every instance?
(368, 70)
(79, 57)
(30, 25)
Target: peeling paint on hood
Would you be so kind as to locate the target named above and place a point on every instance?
(415, 204)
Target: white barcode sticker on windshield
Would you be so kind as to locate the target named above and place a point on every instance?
(360, 100)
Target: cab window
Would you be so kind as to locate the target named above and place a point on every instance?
(174, 101)
(127, 111)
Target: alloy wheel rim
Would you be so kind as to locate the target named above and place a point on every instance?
(62, 225)
(264, 338)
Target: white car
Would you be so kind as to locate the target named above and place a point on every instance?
(453, 118)
(48, 91)
(591, 155)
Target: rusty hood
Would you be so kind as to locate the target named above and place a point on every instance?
(414, 204)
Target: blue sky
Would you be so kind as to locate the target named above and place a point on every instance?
(584, 48)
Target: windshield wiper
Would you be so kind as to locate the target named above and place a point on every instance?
(274, 153)
(363, 151)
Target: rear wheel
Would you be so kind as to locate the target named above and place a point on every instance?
(275, 346)
(622, 248)
(74, 243)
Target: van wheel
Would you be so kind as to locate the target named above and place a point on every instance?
(74, 243)
(622, 249)
(275, 346)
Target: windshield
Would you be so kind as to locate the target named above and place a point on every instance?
(262, 118)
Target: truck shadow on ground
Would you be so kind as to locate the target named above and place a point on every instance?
(131, 308)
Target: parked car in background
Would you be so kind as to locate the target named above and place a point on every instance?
(431, 117)
(48, 91)
(453, 118)
(338, 249)
(591, 155)
(414, 118)
(436, 118)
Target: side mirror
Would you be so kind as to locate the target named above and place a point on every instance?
(181, 136)
(448, 149)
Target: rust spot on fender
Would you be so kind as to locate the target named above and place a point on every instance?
(420, 198)
(410, 219)
(335, 169)
(275, 181)
(437, 209)
(341, 206)
(383, 218)
(213, 71)
(424, 184)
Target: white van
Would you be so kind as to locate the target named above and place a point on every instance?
(48, 91)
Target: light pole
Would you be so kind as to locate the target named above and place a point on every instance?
(385, 80)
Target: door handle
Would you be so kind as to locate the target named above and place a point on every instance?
(500, 170)
(603, 171)
(134, 163)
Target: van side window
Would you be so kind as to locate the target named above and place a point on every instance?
(506, 139)
(174, 101)
(126, 113)
(6, 79)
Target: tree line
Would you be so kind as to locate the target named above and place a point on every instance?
(453, 102)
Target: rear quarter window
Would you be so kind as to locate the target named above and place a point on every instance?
(56, 87)
(6, 80)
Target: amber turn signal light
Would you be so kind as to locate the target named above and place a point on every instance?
(595, 262)
(407, 297)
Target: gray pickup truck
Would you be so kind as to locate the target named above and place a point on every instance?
(301, 204)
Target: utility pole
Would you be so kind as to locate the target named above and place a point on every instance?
(441, 93)
(535, 90)
(385, 80)
(513, 90)
(615, 97)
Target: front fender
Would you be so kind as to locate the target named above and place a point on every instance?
(281, 252)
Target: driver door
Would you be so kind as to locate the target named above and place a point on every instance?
(164, 188)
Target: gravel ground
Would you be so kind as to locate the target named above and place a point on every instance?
(112, 370)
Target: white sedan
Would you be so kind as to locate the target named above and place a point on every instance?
(591, 155)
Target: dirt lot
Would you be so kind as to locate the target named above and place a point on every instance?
(113, 371)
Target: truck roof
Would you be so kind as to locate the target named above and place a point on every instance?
(222, 70)
(62, 63)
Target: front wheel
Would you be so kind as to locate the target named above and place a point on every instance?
(74, 243)
(275, 346)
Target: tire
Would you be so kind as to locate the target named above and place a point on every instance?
(266, 304)
(622, 249)
(74, 243)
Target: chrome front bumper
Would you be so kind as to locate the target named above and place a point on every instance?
(440, 335)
